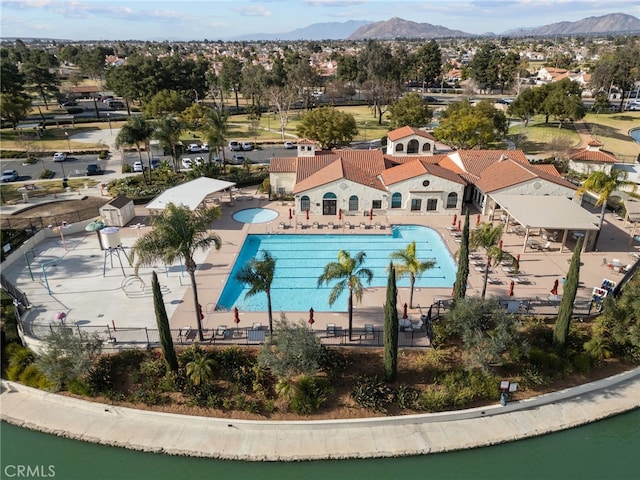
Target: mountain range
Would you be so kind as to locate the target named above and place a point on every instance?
(398, 28)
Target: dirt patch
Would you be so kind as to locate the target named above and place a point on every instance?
(62, 207)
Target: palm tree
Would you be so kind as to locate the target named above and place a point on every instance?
(259, 274)
(137, 131)
(216, 127)
(167, 131)
(605, 184)
(487, 236)
(200, 369)
(177, 234)
(348, 270)
(410, 265)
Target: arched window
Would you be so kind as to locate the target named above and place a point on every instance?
(399, 147)
(452, 200)
(413, 146)
(426, 147)
(329, 195)
(305, 203)
(396, 200)
(353, 203)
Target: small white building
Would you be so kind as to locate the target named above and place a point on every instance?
(118, 212)
(591, 159)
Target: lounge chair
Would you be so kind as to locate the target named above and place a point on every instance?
(347, 225)
(378, 226)
(546, 246)
(368, 330)
(316, 225)
(331, 225)
(522, 280)
(256, 326)
(282, 225)
(221, 332)
(331, 329)
(494, 281)
(363, 225)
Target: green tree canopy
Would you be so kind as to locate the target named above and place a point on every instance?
(259, 273)
(411, 110)
(165, 102)
(328, 126)
(409, 265)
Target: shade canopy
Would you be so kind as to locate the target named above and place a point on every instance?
(190, 194)
(548, 212)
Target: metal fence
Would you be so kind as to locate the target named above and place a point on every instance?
(34, 224)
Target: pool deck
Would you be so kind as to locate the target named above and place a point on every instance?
(80, 274)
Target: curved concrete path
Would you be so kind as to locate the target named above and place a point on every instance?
(314, 440)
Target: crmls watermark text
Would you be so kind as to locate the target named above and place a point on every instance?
(29, 471)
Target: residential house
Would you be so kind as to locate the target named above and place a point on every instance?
(591, 159)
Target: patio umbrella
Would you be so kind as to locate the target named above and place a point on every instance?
(459, 225)
(489, 262)
(455, 219)
(340, 214)
(404, 312)
(311, 320)
(307, 214)
(554, 290)
(371, 214)
(511, 285)
(500, 245)
(61, 316)
(477, 220)
(96, 227)
(517, 264)
(290, 215)
(236, 316)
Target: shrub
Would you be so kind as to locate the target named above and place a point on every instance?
(45, 174)
(19, 359)
(582, 362)
(78, 387)
(332, 361)
(100, 377)
(435, 399)
(406, 397)
(152, 370)
(33, 377)
(532, 376)
(103, 154)
(126, 168)
(31, 160)
(372, 393)
(309, 394)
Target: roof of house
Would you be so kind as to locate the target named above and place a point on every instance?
(592, 155)
(404, 132)
(416, 168)
(507, 172)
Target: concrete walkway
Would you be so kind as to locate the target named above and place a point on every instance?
(313, 440)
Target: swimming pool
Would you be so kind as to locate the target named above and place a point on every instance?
(255, 215)
(300, 260)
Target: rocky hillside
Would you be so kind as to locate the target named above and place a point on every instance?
(612, 23)
(399, 28)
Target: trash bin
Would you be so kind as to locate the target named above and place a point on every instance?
(65, 183)
(504, 397)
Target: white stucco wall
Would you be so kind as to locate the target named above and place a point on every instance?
(589, 167)
(343, 189)
(529, 188)
(391, 146)
(439, 189)
(284, 180)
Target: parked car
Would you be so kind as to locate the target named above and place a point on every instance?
(193, 147)
(10, 176)
(138, 167)
(93, 169)
(247, 146)
(634, 105)
(235, 146)
(238, 159)
(198, 160)
(187, 163)
(289, 145)
(59, 157)
(155, 163)
(204, 147)
(68, 103)
(116, 105)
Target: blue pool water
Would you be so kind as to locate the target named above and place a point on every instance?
(300, 260)
(255, 215)
(635, 134)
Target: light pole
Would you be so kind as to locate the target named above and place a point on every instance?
(66, 134)
(366, 125)
(109, 120)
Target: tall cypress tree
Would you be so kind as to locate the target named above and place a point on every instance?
(390, 359)
(565, 311)
(163, 326)
(460, 288)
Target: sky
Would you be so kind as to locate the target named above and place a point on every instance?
(158, 20)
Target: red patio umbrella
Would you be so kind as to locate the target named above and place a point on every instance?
(455, 219)
(405, 315)
(459, 225)
(236, 315)
(554, 290)
(500, 244)
(371, 214)
(311, 320)
(517, 265)
(477, 220)
(307, 214)
(511, 285)
(290, 214)
(340, 214)
(489, 262)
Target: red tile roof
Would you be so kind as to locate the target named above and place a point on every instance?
(476, 161)
(404, 132)
(596, 156)
(507, 172)
(416, 168)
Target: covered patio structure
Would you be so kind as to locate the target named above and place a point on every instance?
(632, 215)
(191, 194)
(550, 213)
